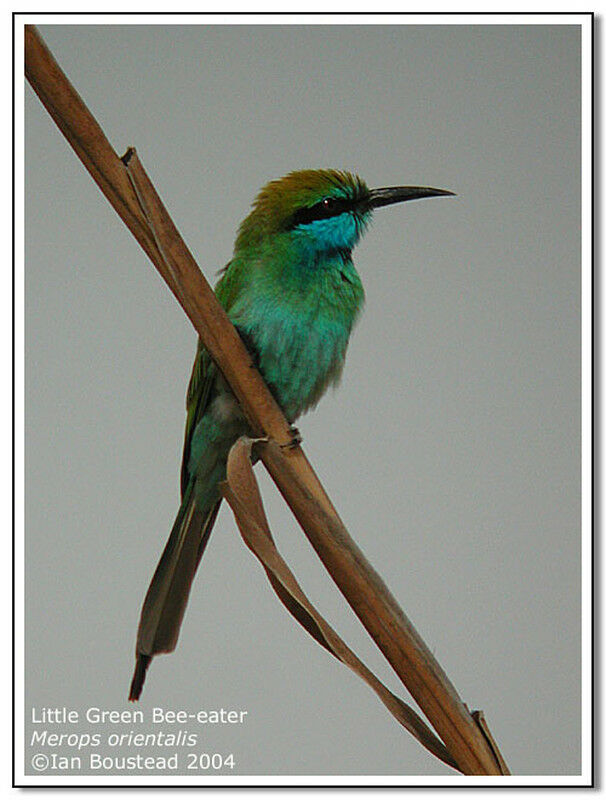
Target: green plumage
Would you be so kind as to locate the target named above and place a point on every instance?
(293, 294)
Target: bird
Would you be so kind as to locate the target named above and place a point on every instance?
(293, 294)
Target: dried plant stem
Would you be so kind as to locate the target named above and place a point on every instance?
(144, 214)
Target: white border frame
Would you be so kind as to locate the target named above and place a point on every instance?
(585, 21)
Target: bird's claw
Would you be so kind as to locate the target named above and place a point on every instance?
(295, 441)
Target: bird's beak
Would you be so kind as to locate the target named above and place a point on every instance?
(398, 194)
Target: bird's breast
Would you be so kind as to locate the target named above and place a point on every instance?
(299, 340)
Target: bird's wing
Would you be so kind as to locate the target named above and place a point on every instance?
(204, 372)
(199, 390)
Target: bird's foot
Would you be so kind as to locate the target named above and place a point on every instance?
(295, 441)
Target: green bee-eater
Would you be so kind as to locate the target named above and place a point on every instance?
(293, 293)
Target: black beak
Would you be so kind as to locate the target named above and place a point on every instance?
(399, 194)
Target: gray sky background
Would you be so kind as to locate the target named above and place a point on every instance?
(451, 448)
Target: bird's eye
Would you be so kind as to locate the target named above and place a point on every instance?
(323, 209)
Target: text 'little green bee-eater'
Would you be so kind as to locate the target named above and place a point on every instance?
(293, 293)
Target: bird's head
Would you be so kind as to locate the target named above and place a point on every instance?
(320, 210)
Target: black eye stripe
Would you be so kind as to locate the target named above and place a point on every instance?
(326, 208)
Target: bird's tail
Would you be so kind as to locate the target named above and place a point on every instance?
(166, 598)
